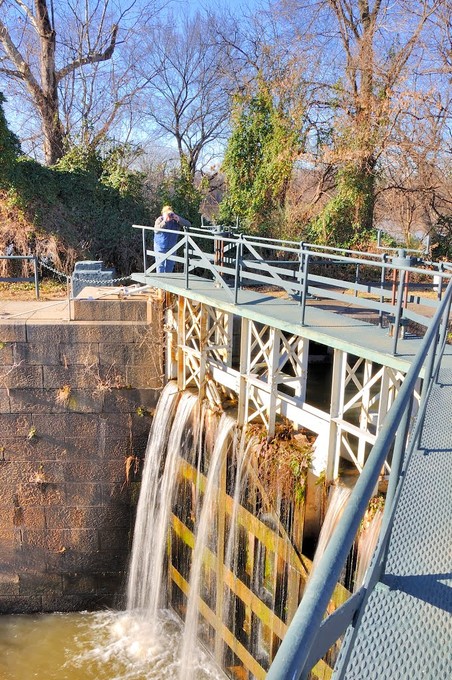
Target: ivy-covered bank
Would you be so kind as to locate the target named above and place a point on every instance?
(84, 206)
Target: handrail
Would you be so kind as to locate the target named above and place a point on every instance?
(296, 652)
(295, 270)
(331, 253)
(27, 279)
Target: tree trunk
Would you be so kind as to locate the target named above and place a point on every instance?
(53, 133)
(49, 104)
(366, 205)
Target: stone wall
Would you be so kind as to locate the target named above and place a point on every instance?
(76, 404)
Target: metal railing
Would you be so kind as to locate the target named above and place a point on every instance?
(308, 637)
(379, 282)
(23, 279)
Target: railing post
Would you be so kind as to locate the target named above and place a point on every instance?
(300, 270)
(398, 316)
(304, 294)
(382, 285)
(35, 265)
(440, 283)
(238, 264)
(187, 261)
(445, 327)
(143, 238)
(356, 279)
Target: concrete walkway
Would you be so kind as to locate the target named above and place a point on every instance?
(19, 310)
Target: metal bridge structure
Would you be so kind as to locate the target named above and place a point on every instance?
(256, 319)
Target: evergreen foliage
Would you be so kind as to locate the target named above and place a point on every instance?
(340, 224)
(82, 208)
(258, 161)
(9, 149)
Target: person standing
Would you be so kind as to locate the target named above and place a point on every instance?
(165, 240)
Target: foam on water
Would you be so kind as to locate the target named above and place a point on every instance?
(131, 647)
(108, 645)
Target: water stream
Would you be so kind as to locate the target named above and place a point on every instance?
(205, 526)
(142, 569)
(337, 501)
(144, 591)
(367, 542)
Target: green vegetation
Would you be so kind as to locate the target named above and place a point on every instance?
(81, 208)
(283, 463)
(9, 149)
(31, 433)
(297, 124)
(258, 162)
(84, 206)
(341, 221)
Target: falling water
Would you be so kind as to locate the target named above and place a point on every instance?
(337, 501)
(176, 434)
(192, 460)
(365, 548)
(144, 590)
(231, 557)
(204, 526)
(147, 503)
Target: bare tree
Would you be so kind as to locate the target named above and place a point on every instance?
(187, 97)
(414, 194)
(44, 45)
(264, 64)
(365, 53)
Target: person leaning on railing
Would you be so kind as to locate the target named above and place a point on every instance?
(165, 240)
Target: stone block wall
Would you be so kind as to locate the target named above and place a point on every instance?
(76, 403)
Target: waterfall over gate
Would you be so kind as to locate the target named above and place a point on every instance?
(144, 591)
(212, 542)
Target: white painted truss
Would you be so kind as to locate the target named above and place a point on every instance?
(266, 371)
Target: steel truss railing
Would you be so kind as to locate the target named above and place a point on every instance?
(378, 282)
(309, 636)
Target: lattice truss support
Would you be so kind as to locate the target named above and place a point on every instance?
(273, 373)
(269, 376)
(199, 339)
(361, 395)
(266, 369)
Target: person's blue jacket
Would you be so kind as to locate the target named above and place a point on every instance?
(165, 237)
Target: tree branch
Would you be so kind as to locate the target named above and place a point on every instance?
(90, 58)
(29, 14)
(19, 62)
(11, 73)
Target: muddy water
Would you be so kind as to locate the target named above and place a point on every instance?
(93, 646)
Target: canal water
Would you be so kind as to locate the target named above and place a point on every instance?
(107, 645)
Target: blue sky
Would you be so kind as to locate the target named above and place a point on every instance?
(236, 6)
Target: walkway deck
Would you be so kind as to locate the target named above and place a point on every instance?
(326, 322)
(406, 629)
